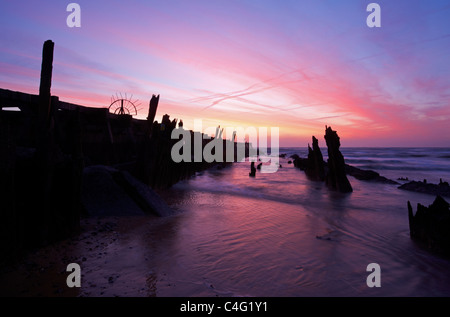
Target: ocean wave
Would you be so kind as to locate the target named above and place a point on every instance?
(405, 168)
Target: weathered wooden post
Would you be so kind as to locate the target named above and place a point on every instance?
(45, 84)
(152, 108)
(336, 178)
(315, 169)
(44, 136)
(147, 146)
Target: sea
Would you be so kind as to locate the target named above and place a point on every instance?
(283, 235)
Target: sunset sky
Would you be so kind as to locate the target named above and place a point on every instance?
(298, 65)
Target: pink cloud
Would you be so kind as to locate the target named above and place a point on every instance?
(244, 66)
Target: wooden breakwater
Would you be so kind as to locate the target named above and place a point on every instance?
(47, 144)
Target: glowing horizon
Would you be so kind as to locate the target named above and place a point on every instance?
(296, 65)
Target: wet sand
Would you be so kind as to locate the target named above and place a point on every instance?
(232, 235)
(110, 251)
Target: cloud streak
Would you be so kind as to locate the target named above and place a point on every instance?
(297, 64)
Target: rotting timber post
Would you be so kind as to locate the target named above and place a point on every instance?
(58, 166)
(45, 84)
(152, 109)
(44, 140)
(59, 161)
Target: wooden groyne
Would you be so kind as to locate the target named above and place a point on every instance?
(47, 143)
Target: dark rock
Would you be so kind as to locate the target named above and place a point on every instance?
(367, 175)
(336, 177)
(360, 174)
(102, 196)
(107, 191)
(315, 165)
(442, 189)
(301, 163)
(143, 195)
(431, 225)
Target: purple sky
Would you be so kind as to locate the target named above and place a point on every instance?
(297, 65)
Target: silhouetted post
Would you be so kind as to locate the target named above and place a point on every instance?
(46, 83)
(336, 178)
(252, 170)
(315, 169)
(431, 224)
(153, 106)
(146, 156)
(44, 144)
